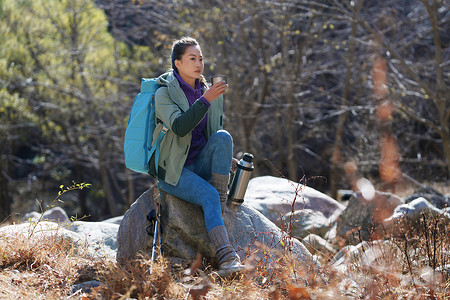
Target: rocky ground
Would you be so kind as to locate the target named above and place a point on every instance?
(282, 228)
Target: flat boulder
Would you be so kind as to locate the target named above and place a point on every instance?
(305, 221)
(275, 197)
(317, 244)
(436, 199)
(98, 238)
(406, 216)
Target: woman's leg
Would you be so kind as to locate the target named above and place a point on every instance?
(214, 163)
(216, 156)
(194, 189)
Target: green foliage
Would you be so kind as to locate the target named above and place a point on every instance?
(67, 76)
(14, 110)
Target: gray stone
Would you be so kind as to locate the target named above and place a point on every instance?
(31, 216)
(114, 220)
(305, 221)
(38, 229)
(101, 236)
(408, 214)
(132, 237)
(275, 197)
(95, 237)
(415, 208)
(315, 243)
(367, 254)
(184, 233)
(362, 219)
(54, 214)
(86, 287)
(437, 199)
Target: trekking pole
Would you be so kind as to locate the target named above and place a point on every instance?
(155, 236)
(156, 233)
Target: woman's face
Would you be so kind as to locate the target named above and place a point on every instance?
(190, 66)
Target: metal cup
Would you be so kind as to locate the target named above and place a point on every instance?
(218, 78)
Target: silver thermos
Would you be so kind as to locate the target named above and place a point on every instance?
(241, 178)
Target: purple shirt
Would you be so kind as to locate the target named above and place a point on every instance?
(198, 137)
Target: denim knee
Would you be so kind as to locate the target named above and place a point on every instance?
(224, 136)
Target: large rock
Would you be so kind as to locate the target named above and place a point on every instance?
(316, 244)
(406, 216)
(362, 219)
(275, 197)
(98, 238)
(437, 199)
(414, 210)
(184, 233)
(132, 237)
(305, 221)
(292, 205)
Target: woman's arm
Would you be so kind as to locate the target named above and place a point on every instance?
(186, 122)
(181, 123)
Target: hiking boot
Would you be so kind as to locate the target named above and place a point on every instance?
(231, 267)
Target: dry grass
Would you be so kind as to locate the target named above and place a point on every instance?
(48, 266)
(39, 267)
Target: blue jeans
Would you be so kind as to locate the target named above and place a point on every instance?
(194, 187)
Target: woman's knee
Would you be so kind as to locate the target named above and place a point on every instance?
(224, 137)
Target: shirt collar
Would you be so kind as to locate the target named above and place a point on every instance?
(184, 85)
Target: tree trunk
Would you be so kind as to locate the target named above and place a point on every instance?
(441, 99)
(5, 203)
(336, 158)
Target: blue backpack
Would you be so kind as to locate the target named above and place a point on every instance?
(139, 133)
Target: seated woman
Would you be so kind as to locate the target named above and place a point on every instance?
(196, 155)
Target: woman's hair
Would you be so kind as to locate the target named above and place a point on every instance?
(179, 48)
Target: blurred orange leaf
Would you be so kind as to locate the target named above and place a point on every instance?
(297, 293)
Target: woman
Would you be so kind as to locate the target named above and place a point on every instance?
(196, 154)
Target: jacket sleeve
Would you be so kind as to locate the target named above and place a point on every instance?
(180, 122)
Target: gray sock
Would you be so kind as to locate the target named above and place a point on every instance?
(219, 238)
(220, 182)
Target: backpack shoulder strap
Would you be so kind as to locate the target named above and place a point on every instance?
(155, 148)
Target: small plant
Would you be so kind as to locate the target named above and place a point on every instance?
(425, 244)
(62, 190)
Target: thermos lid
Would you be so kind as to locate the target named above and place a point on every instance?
(248, 157)
(246, 162)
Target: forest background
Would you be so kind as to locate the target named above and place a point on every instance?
(319, 91)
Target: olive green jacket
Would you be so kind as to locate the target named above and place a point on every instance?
(172, 108)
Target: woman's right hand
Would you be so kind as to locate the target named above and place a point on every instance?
(214, 91)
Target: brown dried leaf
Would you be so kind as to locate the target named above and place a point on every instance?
(199, 290)
(297, 293)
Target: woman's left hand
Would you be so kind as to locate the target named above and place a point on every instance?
(234, 163)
